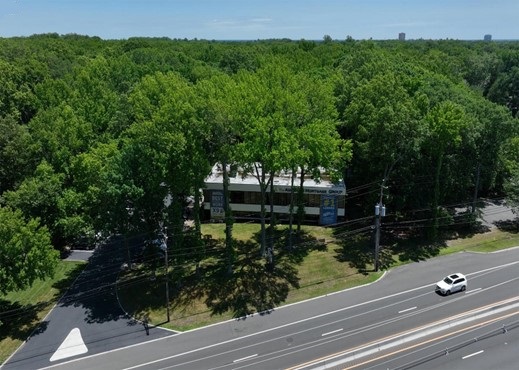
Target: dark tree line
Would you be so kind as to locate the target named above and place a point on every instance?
(95, 134)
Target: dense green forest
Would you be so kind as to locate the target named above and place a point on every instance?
(95, 133)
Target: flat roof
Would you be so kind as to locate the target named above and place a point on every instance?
(282, 181)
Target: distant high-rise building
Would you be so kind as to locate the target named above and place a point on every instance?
(401, 36)
(487, 38)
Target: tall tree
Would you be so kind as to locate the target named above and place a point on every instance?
(15, 158)
(218, 111)
(157, 148)
(446, 122)
(268, 105)
(38, 197)
(510, 158)
(26, 252)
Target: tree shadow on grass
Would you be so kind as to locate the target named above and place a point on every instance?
(19, 321)
(357, 251)
(302, 244)
(252, 286)
(416, 249)
(510, 226)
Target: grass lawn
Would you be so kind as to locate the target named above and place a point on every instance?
(491, 241)
(21, 312)
(315, 271)
(319, 272)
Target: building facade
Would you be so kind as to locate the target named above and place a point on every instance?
(324, 201)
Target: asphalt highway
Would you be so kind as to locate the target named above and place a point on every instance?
(393, 322)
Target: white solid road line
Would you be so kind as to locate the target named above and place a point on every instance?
(472, 354)
(245, 358)
(331, 332)
(408, 309)
(198, 349)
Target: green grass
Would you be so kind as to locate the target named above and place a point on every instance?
(484, 243)
(30, 306)
(318, 271)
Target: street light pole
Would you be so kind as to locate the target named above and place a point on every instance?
(380, 211)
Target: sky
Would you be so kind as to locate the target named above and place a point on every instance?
(263, 19)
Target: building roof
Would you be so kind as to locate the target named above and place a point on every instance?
(247, 182)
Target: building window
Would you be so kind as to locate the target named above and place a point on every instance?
(252, 197)
(237, 197)
(313, 200)
(283, 199)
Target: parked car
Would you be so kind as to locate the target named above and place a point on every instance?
(450, 284)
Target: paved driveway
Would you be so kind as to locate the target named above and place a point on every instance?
(88, 319)
(495, 212)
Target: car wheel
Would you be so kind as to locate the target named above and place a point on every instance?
(447, 292)
(463, 288)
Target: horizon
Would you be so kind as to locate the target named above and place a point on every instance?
(269, 19)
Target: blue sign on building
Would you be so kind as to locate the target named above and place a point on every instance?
(217, 209)
(328, 214)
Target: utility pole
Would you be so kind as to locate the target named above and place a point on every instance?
(167, 203)
(166, 267)
(476, 188)
(380, 211)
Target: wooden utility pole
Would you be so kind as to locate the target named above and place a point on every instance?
(380, 211)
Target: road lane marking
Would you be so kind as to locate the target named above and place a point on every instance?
(422, 343)
(472, 354)
(245, 358)
(356, 353)
(472, 291)
(408, 309)
(490, 269)
(331, 332)
(73, 345)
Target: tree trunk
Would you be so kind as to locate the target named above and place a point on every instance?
(300, 203)
(291, 211)
(263, 190)
(228, 220)
(436, 198)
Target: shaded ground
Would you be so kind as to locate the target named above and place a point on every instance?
(253, 286)
(408, 241)
(19, 321)
(90, 306)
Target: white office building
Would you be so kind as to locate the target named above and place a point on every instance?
(324, 200)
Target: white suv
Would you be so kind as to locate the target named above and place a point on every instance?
(452, 283)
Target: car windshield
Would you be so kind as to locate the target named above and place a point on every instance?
(448, 280)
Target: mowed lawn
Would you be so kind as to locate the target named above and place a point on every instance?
(318, 272)
(21, 312)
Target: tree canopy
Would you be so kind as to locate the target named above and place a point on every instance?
(96, 133)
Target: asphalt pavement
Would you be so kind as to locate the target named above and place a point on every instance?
(88, 319)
